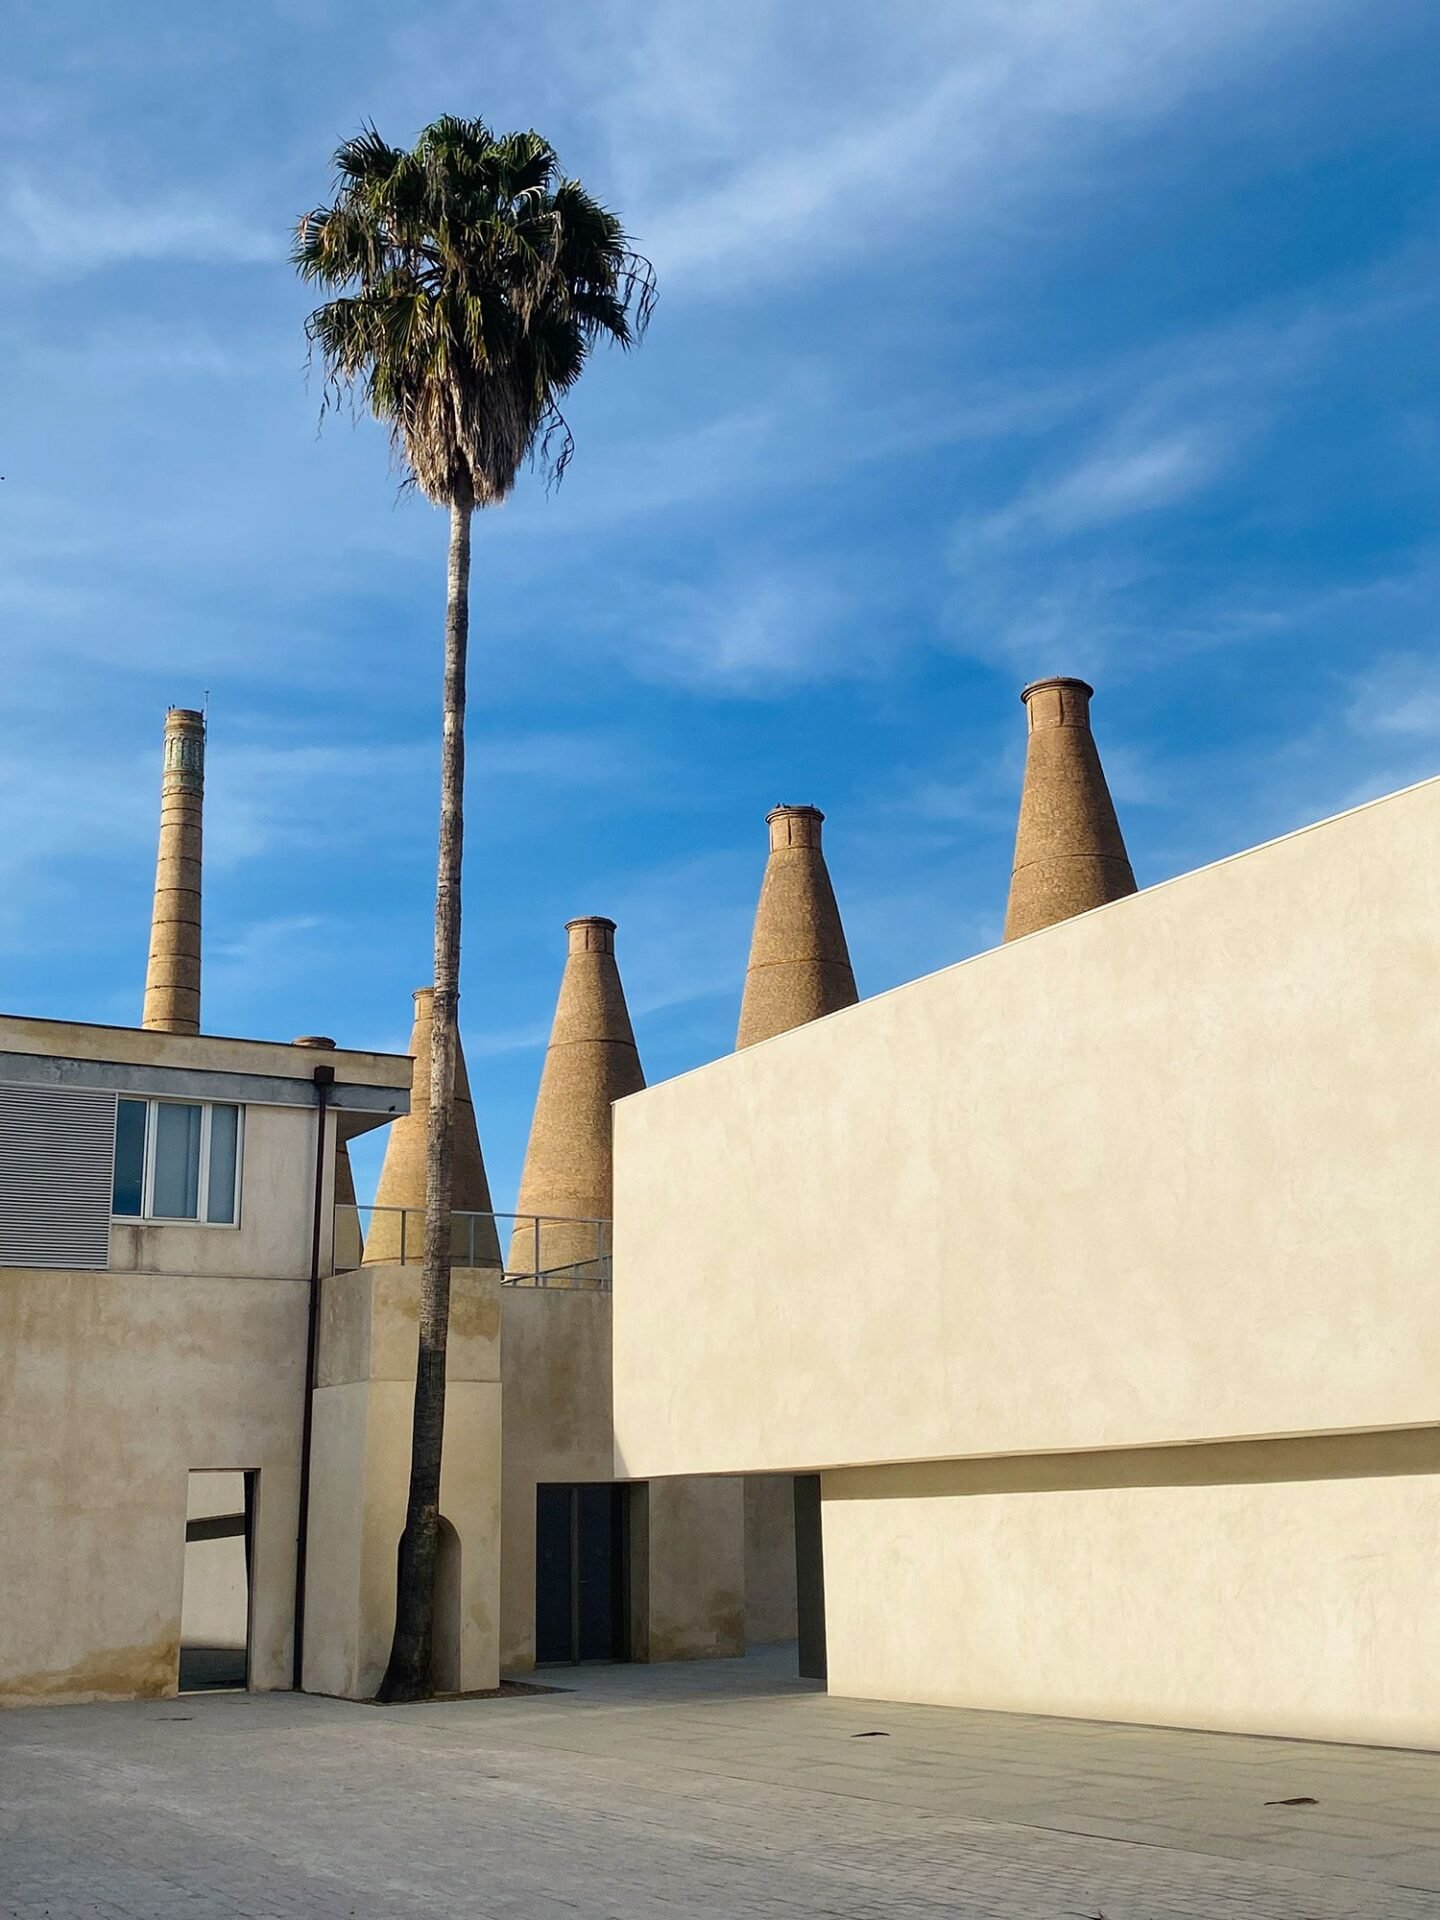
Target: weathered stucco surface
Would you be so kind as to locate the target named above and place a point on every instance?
(364, 1406)
(555, 1359)
(112, 1387)
(769, 1558)
(188, 1353)
(687, 1571)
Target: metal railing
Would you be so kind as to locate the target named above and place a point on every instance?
(527, 1249)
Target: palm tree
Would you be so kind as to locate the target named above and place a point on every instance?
(470, 280)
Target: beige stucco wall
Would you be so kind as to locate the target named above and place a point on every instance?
(769, 1558)
(112, 1387)
(1280, 1587)
(364, 1407)
(555, 1362)
(687, 1567)
(188, 1353)
(688, 1570)
(1162, 1173)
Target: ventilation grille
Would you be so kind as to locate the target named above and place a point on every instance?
(57, 1164)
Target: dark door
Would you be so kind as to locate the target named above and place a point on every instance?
(580, 1560)
(810, 1576)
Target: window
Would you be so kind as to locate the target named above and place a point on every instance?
(177, 1160)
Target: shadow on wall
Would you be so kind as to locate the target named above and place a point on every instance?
(445, 1650)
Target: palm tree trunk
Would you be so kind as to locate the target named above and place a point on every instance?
(408, 1675)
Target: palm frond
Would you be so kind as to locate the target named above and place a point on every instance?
(470, 281)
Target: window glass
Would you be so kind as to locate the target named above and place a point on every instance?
(176, 1180)
(129, 1156)
(224, 1138)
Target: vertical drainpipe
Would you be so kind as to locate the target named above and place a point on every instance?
(324, 1078)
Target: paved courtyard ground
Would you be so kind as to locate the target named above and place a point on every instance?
(728, 1790)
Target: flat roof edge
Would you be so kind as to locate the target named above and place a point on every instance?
(142, 1046)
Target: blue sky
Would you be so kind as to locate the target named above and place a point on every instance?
(996, 339)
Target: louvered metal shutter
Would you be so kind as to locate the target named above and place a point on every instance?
(57, 1155)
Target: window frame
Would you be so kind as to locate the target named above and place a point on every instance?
(147, 1216)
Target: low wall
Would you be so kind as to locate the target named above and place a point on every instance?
(1285, 1587)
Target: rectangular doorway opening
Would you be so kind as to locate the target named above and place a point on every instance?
(215, 1609)
(582, 1601)
(810, 1575)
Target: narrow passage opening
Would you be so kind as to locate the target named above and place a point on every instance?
(215, 1609)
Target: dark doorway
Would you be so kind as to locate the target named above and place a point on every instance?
(810, 1576)
(215, 1607)
(581, 1557)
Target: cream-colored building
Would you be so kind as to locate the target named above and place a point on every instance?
(209, 1353)
(1098, 1279)
(164, 1201)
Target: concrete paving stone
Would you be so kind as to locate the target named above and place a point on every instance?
(728, 1789)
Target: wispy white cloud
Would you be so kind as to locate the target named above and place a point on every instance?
(269, 798)
(1398, 699)
(65, 235)
(1128, 476)
(781, 178)
(753, 633)
(881, 317)
(1067, 573)
(683, 934)
(261, 951)
(756, 143)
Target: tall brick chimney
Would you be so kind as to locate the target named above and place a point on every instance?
(799, 963)
(1069, 852)
(402, 1172)
(172, 975)
(591, 1062)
